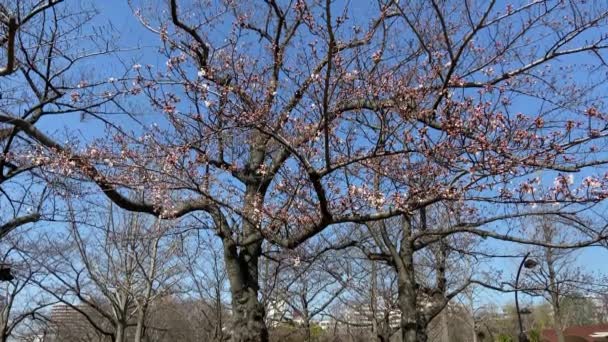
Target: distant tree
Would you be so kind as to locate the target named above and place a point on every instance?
(558, 277)
(311, 280)
(109, 268)
(579, 310)
(206, 287)
(22, 306)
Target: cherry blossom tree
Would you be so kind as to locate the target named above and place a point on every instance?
(44, 46)
(438, 269)
(16, 20)
(276, 120)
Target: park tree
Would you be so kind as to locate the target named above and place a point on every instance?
(45, 47)
(277, 120)
(22, 307)
(311, 281)
(207, 286)
(438, 267)
(109, 269)
(558, 279)
(20, 199)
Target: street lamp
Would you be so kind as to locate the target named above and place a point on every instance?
(527, 263)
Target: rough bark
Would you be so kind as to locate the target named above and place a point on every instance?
(242, 269)
(445, 333)
(413, 327)
(120, 332)
(248, 312)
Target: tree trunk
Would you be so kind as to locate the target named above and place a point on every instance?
(248, 315)
(139, 329)
(413, 327)
(384, 332)
(373, 304)
(120, 333)
(472, 312)
(558, 326)
(143, 307)
(4, 324)
(242, 264)
(219, 315)
(247, 311)
(307, 334)
(445, 329)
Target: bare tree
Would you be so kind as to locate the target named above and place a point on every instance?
(20, 302)
(557, 276)
(430, 273)
(207, 286)
(109, 268)
(312, 279)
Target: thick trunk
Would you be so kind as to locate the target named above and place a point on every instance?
(445, 333)
(120, 333)
(139, 329)
(248, 316)
(247, 311)
(242, 264)
(413, 326)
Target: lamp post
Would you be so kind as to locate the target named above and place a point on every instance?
(527, 263)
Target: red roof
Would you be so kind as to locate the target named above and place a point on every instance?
(581, 333)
